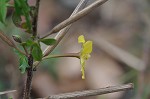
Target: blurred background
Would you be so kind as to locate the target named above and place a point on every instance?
(120, 31)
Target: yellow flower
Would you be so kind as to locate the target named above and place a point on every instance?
(84, 53)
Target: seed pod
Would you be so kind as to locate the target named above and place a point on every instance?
(17, 38)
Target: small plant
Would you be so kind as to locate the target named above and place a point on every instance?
(29, 51)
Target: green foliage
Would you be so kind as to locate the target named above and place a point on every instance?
(28, 43)
(10, 98)
(23, 62)
(48, 41)
(3, 10)
(37, 52)
(22, 9)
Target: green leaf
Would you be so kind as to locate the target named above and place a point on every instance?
(23, 9)
(3, 10)
(23, 62)
(28, 44)
(48, 41)
(37, 52)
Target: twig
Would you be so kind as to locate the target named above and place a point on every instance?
(76, 17)
(35, 18)
(6, 39)
(119, 54)
(76, 55)
(62, 33)
(27, 89)
(7, 92)
(86, 93)
(9, 42)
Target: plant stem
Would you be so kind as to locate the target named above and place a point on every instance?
(75, 17)
(64, 31)
(27, 89)
(35, 18)
(63, 55)
(7, 40)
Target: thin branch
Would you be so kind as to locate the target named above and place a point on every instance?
(86, 93)
(7, 92)
(27, 89)
(62, 33)
(7, 40)
(77, 55)
(76, 17)
(35, 18)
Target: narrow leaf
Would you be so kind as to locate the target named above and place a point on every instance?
(3, 10)
(37, 52)
(23, 64)
(48, 41)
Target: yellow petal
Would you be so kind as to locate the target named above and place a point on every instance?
(87, 47)
(81, 39)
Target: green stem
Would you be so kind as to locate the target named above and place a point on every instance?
(35, 18)
(77, 55)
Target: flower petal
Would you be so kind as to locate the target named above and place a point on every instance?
(87, 47)
(81, 39)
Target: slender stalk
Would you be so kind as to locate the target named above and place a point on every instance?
(27, 89)
(63, 55)
(75, 17)
(64, 31)
(35, 18)
(86, 93)
(25, 49)
(7, 40)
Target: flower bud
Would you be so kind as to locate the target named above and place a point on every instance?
(17, 38)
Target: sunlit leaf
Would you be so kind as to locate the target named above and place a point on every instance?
(23, 62)
(48, 41)
(3, 10)
(37, 52)
(23, 9)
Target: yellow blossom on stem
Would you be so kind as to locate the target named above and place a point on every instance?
(84, 53)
